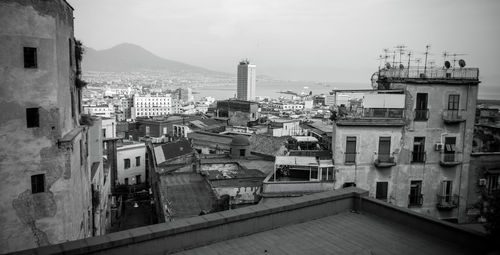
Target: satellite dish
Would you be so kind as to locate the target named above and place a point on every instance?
(401, 66)
(447, 64)
(461, 63)
(388, 65)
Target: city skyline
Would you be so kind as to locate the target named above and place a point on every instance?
(328, 41)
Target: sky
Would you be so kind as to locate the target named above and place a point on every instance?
(317, 40)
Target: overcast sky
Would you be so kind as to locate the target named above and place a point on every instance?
(296, 39)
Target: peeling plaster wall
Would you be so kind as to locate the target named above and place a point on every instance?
(60, 213)
(366, 175)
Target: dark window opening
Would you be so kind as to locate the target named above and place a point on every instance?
(384, 149)
(137, 161)
(381, 190)
(349, 184)
(30, 60)
(350, 150)
(242, 152)
(126, 162)
(104, 133)
(70, 53)
(137, 179)
(421, 110)
(418, 154)
(32, 117)
(449, 149)
(37, 183)
(453, 102)
(126, 181)
(415, 197)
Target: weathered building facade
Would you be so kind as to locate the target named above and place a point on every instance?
(44, 167)
(410, 142)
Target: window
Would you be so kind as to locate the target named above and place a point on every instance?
(70, 55)
(349, 184)
(126, 181)
(147, 130)
(103, 133)
(418, 154)
(350, 150)
(453, 102)
(138, 179)
(242, 152)
(37, 183)
(415, 198)
(32, 118)
(421, 107)
(384, 149)
(449, 149)
(137, 161)
(30, 60)
(126, 163)
(492, 183)
(381, 190)
(164, 130)
(446, 190)
(81, 153)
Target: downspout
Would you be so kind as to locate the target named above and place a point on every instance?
(463, 154)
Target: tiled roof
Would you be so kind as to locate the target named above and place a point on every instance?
(172, 150)
(267, 145)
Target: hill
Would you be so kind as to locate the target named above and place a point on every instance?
(128, 57)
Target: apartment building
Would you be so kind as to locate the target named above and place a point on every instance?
(410, 140)
(151, 105)
(45, 185)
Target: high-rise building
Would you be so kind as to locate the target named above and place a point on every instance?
(246, 81)
(47, 170)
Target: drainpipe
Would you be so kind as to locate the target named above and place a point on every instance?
(463, 154)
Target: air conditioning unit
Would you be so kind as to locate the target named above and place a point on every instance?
(481, 182)
(438, 146)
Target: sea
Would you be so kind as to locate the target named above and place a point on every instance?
(272, 89)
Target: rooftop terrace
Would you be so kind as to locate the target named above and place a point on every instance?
(419, 75)
(344, 221)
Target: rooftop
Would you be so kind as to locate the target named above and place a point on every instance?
(430, 75)
(172, 150)
(343, 221)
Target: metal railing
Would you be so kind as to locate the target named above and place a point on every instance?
(385, 158)
(350, 157)
(451, 157)
(418, 156)
(447, 201)
(421, 114)
(454, 115)
(432, 73)
(415, 200)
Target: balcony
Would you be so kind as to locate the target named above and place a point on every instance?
(449, 159)
(421, 114)
(418, 156)
(452, 75)
(373, 117)
(415, 200)
(447, 202)
(453, 116)
(384, 161)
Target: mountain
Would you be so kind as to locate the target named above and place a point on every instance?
(128, 57)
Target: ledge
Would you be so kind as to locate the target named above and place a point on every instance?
(370, 122)
(67, 140)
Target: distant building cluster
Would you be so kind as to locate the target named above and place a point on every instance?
(82, 162)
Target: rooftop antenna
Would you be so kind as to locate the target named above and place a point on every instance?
(427, 47)
(393, 58)
(455, 57)
(418, 62)
(409, 58)
(401, 49)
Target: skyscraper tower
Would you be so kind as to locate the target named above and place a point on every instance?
(246, 81)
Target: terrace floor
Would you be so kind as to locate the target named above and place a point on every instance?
(344, 233)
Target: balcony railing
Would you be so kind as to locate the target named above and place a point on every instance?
(350, 157)
(421, 114)
(447, 202)
(418, 156)
(384, 160)
(449, 159)
(453, 116)
(415, 200)
(431, 73)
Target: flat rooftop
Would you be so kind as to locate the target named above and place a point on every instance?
(343, 233)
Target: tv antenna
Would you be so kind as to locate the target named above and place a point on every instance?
(427, 47)
(401, 49)
(409, 59)
(418, 62)
(455, 57)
